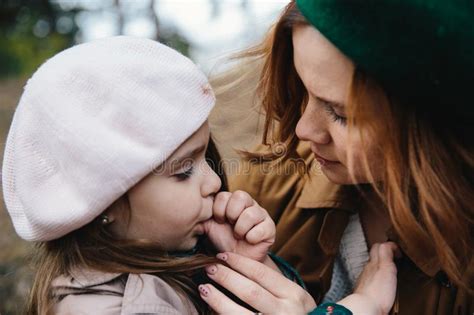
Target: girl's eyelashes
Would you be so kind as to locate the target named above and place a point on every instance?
(335, 117)
(184, 175)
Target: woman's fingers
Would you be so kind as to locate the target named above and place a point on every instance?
(378, 280)
(244, 288)
(387, 252)
(384, 251)
(259, 286)
(219, 302)
(374, 253)
(271, 280)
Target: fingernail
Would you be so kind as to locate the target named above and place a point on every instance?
(212, 269)
(204, 290)
(222, 256)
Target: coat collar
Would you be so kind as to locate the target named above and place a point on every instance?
(82, 278)
(425, 259)
(90, 277)
(319, 192)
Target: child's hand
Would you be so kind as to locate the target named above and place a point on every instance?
(241, 226)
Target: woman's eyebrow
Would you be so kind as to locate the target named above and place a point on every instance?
(311, 90)
(338, 105)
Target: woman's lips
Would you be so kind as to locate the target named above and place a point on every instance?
(324, 161)
(320, 159)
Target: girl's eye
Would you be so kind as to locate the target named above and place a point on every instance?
(335, 117)
(184, 175)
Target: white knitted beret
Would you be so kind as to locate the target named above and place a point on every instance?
(92, 122)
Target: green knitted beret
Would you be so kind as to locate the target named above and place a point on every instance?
(420, 51)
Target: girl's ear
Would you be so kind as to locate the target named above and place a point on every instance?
(119, 210)
(105, 219)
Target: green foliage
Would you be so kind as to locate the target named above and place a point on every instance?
(22, 54)
(29, 34)
(175, 41)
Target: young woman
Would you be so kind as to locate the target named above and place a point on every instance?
(378, 93)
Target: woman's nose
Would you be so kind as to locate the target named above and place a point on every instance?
(312, 126)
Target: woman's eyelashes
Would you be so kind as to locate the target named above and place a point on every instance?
(184, 175)
(335, 117)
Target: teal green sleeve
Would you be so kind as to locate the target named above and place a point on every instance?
(291, 273)
(287, 270)
(330, 309)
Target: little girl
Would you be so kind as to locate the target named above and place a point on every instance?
(109, 168)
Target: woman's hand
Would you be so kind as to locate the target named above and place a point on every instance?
(241, 226)
(259, 286)
(377, 285)
(269, 292)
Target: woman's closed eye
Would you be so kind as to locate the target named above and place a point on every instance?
(335, 117)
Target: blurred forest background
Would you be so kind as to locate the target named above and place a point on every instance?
(207, 31)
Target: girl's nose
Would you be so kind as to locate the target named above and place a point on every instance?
(212, 182)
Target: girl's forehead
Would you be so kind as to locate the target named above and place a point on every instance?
(196, 141)
(186, 153)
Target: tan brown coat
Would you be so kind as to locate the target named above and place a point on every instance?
(311, 219)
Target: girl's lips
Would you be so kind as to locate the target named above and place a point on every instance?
(204, 226)
(200, 229)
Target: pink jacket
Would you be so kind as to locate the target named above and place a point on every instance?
(93, 292)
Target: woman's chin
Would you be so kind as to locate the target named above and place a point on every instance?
(334, 175)
(342, 177)
(337, 176)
